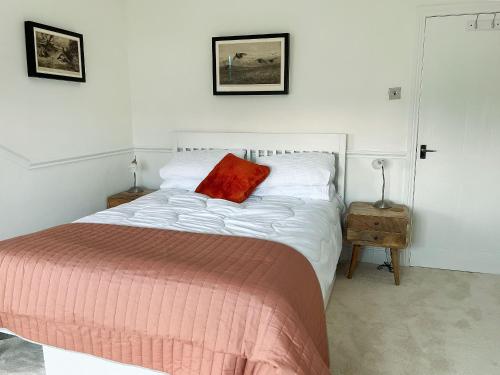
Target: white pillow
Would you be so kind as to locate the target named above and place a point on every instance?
(301, 169)
(194, 164)
(323, 192)
(181, 183)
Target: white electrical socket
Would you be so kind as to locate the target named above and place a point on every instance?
(394, 93)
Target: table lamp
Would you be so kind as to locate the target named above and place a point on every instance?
(381, 164)
(133, 169)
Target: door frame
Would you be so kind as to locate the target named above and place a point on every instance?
(425, 12)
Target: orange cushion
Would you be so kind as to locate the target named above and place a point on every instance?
(233, 179)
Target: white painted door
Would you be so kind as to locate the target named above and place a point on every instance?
(457, 188)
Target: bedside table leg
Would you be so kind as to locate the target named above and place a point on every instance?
(395, 265)
(356, 249)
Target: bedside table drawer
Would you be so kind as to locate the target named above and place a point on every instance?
(383, 224)
(377, 238)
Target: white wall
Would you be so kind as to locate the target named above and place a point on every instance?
(344, 57)
(46, 120)
(35, 199)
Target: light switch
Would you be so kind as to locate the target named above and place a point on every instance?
(394, 93)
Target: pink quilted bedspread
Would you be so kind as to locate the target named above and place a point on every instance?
(178, 302)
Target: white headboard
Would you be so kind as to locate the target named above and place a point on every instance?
(271, 143)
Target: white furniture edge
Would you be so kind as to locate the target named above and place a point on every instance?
(64, 362)
(425, 12)
(271, 143)
(355, 154)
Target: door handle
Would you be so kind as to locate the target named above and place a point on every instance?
(424, 151)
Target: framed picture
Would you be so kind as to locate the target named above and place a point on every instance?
(54, 53)
(250, 64)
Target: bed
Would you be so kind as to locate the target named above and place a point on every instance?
(310, 227)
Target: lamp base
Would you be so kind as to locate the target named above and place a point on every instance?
(135, 189)
(382, 204)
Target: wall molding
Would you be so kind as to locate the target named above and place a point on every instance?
(377, 154)
(78, 159)
(26, 163)
(13, 156)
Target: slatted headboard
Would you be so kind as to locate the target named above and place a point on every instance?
(271, 143)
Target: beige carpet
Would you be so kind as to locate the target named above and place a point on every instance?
(436, 322)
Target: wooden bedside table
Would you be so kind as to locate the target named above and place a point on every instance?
(370, 226)
(125, 197)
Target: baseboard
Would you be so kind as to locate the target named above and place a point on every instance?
(476, 261)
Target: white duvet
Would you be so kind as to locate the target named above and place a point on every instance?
(311, 227)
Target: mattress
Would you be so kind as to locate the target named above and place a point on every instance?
(312, 227)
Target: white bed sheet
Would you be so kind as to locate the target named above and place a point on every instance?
(311, 227)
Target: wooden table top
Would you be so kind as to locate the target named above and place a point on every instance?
(367, 209)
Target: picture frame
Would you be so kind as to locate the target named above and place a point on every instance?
(54, 53)
(251, 64)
